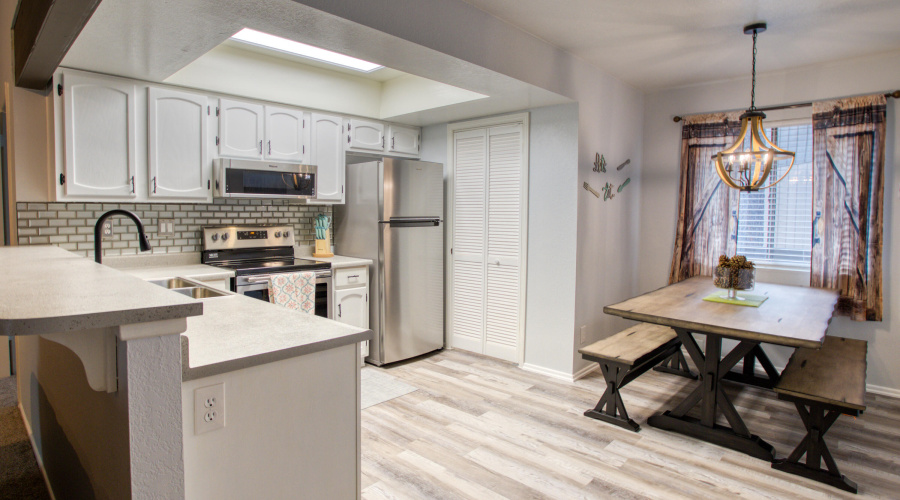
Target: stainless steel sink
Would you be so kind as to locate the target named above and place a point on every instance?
(200, 292)
(174, 283)
(191, 288)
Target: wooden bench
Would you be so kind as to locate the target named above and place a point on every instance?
(830, 381)
(625, 356)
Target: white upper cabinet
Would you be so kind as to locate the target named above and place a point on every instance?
(287, 135)
(240, 129)
(179, 165)
(99, 135)
(364, 135)
(403, 140)
(328, 156)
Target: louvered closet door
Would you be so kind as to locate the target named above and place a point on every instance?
(469, 204)
(504, 200)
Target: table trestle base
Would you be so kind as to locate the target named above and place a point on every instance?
(676, 364)
(717, 434)
(748, 375)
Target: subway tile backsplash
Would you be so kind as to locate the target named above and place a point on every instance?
(71, 225)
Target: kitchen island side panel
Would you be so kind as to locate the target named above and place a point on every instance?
(291, 431)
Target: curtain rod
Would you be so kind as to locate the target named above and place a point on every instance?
(895, 94)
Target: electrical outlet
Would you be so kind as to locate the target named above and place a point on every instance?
(107, 231)
(583, 334)
(209, 408)
(166, 227)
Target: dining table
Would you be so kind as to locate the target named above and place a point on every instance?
(792, 316)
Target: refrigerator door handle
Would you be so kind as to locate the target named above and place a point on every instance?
(412, 221)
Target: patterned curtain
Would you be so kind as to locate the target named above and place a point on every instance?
(848, 194)
(707, 209)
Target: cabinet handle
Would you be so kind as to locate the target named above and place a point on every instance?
(353, 276)
(270, 147)
(382, 142)
(348, 137)
(132, 183)
(154, 185)
(392, 143)
(339, 311)
(260, 147)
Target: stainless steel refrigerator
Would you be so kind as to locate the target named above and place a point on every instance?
(394, 215)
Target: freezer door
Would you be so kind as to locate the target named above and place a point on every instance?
(412, 189)
(412, 288)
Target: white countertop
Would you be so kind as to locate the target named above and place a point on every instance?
(339, 261)
(49, 290)
(238, 332)
(199, 272)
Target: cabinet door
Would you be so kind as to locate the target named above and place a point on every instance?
(240, 129)
(99, 121)
(364, 135)
(404, 140)
(351, 306)
(328, 156)
(177, 150)
(286, 135)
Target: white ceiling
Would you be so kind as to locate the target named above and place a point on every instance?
(152, 40)
(655, 44)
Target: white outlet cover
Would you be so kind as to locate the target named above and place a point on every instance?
(209, 408)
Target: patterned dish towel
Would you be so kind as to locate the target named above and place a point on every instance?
(295, 291)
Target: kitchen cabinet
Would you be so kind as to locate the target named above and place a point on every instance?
(403, 141)
(364, 136)
(179, 165)
(287, 135)
(240, 129)
(99, 136)
(351, 299)
(328, 155)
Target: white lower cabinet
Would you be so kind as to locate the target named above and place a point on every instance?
(351, 299)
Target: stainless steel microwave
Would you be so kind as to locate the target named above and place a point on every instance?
(264, 179)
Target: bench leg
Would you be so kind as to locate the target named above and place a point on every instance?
(611, 408)
(676, 365)
(817, 421)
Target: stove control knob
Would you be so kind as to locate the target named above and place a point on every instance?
(278, 234)
(215, 236)
(224, 236)
(286, 234)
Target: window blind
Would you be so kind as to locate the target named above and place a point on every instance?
(775, 224)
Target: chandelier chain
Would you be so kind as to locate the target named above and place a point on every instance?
(753, 86)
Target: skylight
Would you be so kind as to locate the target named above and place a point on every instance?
(261, 39)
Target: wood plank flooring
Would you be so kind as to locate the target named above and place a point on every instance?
(484, 429)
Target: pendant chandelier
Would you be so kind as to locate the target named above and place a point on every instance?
(746, 164)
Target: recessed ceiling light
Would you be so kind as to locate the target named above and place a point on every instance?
(261, 39)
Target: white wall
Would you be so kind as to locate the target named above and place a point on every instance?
(659, 181)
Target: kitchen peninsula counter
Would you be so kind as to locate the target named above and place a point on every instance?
(239, 332)
(50, 290)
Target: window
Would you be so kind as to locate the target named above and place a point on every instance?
(775, 224)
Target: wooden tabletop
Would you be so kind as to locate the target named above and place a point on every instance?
(793, 316)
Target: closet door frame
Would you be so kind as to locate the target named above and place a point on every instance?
(452, 129)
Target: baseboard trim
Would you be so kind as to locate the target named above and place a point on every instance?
(559, 375)
(34, 448)
(883, 391)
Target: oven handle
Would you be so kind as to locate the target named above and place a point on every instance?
(266, 277)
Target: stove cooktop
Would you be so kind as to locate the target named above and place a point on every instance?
(285, 264)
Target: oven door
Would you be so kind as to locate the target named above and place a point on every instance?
(257, 286)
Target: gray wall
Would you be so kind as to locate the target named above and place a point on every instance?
(659, 183)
